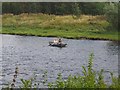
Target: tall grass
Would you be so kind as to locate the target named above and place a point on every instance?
(89, 27)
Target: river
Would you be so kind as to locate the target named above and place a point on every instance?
(33, 56)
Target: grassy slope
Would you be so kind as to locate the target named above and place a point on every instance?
(61, 26)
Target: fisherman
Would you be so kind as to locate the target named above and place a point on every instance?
(55, 41)
(59, 41)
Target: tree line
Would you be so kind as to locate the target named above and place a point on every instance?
(61, 8)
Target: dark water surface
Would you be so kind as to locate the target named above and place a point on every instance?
(32, 55)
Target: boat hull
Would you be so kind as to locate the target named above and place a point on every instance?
(57, 45)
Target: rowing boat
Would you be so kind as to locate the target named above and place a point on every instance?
(57, 44)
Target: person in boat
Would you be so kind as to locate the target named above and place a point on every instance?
(55, 41)
(59, 41)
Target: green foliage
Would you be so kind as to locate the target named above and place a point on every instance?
(57, 8)
(26, 83)
(111, 12)
(100, 80)
(92, 8)
(76, 11)
(115, 82)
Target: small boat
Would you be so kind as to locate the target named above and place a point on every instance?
(57, 44)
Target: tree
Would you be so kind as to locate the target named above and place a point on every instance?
(111, 12)
(92, 8)
(118, 16)
(76, 10)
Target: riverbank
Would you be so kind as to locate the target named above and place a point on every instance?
(86, 27)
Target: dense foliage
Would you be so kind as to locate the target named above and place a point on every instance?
(111, 12)
(56, 8)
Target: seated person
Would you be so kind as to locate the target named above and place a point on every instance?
(59, 41)
(55, 41)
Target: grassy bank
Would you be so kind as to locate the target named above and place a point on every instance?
(86, 27)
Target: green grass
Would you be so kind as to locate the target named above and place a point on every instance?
(87, 27)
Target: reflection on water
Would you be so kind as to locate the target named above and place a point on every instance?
(33, 55)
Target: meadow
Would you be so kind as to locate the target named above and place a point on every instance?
(67, 26)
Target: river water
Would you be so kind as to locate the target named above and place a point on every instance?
(33, 56)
